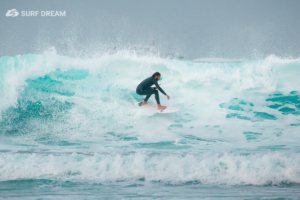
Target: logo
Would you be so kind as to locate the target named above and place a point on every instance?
(12, 13)
(36, 13)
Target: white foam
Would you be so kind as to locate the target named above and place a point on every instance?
(214, 169)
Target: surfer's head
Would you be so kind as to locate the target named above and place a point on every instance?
(156, 75)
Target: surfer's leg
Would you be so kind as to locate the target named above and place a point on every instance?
(157, 97)
(157, 100)
(148, 92)
(147, 97)
(152, 91)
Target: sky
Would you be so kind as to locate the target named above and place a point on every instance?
(193, 28)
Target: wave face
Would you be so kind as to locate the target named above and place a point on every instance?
(72, 119)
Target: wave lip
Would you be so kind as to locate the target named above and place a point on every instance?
(219, 60)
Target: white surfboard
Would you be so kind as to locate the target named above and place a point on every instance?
(153, 108)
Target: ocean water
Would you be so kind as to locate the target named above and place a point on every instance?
(69, 129)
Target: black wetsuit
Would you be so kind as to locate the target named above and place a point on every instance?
(144, 88)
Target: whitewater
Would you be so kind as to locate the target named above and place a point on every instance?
(69, 129)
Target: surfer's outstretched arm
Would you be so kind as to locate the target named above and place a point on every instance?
(155, 87)
(161, 90)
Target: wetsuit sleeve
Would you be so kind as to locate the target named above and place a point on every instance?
(159, 88)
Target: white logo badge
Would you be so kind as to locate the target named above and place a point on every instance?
(12, 13)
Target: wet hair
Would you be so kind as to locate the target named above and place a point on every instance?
(156, 74)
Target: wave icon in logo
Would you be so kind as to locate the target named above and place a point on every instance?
(12, 13)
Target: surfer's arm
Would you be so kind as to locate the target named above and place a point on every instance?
(155, 87)
(159, 88)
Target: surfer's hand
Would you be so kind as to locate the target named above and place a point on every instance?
(168, 97)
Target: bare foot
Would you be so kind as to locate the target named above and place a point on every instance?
(161, 107)
(144, 103)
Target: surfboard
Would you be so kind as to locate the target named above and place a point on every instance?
(153, 108)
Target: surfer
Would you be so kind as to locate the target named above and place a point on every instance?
(144, 88)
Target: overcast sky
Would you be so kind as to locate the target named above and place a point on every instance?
(196, 28)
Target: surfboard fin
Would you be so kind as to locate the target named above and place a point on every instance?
(161, 110)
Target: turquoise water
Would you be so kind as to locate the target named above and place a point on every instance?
(68, 129)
